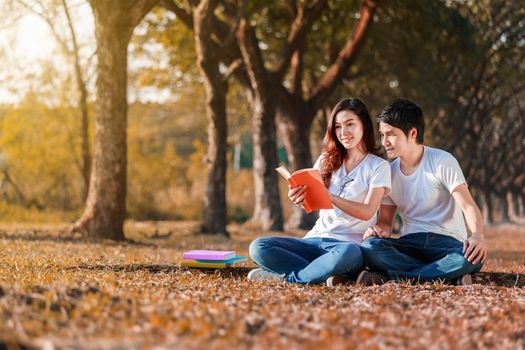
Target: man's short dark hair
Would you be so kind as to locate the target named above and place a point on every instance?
(405, 115)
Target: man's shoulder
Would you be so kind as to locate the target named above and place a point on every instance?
(438, 153)
(439, 159)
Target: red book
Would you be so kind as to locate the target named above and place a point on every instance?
(316, 193)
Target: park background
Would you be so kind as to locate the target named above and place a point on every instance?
(160, 122)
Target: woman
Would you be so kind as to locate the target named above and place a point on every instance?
(357, 179)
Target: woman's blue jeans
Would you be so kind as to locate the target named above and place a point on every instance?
(306, 260)
(423, 256)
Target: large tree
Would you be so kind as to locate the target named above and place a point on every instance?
(281, 87)
(300, 101)
(268, 211)
(216, 86)
(105, 207)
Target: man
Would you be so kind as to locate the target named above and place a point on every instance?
(430, 193)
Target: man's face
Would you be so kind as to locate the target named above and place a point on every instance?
(396, 143)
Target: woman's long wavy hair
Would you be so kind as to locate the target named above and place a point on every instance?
(334, 152)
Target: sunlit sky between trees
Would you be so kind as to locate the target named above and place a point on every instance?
(27, 42)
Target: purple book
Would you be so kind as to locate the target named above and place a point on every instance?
(209, 254)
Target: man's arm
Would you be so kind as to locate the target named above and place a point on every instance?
(385, 222)
(475, 248)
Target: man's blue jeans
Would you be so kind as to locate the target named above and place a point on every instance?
(306, 260)
(423, 256)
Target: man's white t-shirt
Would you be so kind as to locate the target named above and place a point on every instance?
(372, 172)
(424, 199)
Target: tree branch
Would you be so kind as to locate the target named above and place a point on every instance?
(182, 14)
(232, 69)
(251, 54)
(302, 22)
(297, 68)
(347, 55)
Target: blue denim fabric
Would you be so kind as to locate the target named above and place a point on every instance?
(422, 257)
(307, 260)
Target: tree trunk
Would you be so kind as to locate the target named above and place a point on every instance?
(490, 209)
(215, 208)
(297, 143)
(268, 212)
(106, 202)
(521, 199)
(504, 207)
(516, 205)
(478, 199)
(86, 149)
(513, 205)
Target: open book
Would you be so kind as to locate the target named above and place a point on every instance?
(316, 193)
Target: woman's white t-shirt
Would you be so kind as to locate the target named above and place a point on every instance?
(372, 172)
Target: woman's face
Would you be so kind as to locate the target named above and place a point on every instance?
(348, 129)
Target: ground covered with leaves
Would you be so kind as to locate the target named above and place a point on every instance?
(62, 292)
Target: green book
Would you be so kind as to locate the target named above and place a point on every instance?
(234, 260)
(194, 263)
(212, 264)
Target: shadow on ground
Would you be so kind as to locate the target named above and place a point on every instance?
(500, 279)
(63, 236)
(163, 268)
(485, 278)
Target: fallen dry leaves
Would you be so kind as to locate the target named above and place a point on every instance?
(71, 293)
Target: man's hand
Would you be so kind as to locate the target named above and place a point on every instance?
(376, 231)
(475, 248)
(297, 194)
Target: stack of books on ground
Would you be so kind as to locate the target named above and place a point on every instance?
(211, 259)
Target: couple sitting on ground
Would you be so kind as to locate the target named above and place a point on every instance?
(350, 242)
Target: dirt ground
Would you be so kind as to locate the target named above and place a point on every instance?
(62, 292)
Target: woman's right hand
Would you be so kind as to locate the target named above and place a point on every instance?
(297, 194)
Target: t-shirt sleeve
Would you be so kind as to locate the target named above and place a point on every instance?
(449, 172)
(317, 164)
(381, 177)
(387, 200)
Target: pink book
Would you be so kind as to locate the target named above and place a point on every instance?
(209, 254)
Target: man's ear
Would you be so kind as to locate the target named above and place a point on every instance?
(413, 133)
